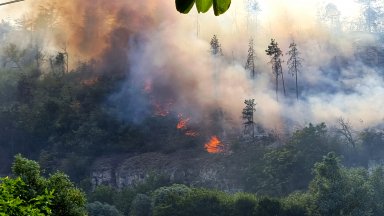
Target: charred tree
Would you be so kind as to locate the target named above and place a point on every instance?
(275, 53)
(59, 63)
(294, 64)
(250, 64)
(249, 123)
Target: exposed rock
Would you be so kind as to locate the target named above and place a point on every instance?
(184, 167)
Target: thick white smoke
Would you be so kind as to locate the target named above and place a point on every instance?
(169, 63)
(333, 82)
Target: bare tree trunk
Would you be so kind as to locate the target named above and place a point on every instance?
(253, 129)
(297, 87)
(253, 71)
(282, 77)
(277, 87)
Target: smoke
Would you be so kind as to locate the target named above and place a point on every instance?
(168, 64)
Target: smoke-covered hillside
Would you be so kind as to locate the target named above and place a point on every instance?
(133, 95)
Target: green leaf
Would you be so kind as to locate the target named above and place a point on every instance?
(221, 6)
(184, 6)
(203, 5)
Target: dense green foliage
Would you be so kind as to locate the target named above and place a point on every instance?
(16, 199)
(98, 208)
(31, 194)
(334, 190)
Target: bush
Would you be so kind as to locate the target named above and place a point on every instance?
(267, 207)
(205, 202)
(244, 204)
(55, 195)
(141, 206)
(104, 194)
(102, 209)
(169, 200)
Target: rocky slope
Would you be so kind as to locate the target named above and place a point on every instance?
(186, 167)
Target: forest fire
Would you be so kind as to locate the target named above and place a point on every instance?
(214, 145)
(182, 124)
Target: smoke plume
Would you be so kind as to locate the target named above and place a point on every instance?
(168, 63)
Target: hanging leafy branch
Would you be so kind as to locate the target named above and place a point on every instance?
(203, 6)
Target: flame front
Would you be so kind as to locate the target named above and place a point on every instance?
(214, 145)
(182, 124)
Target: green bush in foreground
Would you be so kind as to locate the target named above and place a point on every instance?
(31, 194)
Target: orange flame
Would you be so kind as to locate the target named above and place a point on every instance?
(214, 145)
(182, 124)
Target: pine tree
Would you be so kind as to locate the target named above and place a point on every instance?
(248, 111)
(250, 64)
(371, 14)
(275, 53)
(216, 46)
(294, 64)
(215, 52)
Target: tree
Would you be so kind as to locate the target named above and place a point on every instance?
(376, 180)
(104, 209)
(250, 64)
(327, 187)
(252, 7)
(216, 46)
(202, 6)
(336, 190)
(169, 200)
(59, 64)
(288, 168)
(346, 130)
(249, 124)
(371, 15)
(294, 64)
(141, 206)
(67, 200)
(275, 53)
(372, 144)
(332, 16)
(244, 204)
(17, 198)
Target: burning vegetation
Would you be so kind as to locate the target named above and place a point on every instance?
(182, 124)
(214, 145)
(148, 67)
